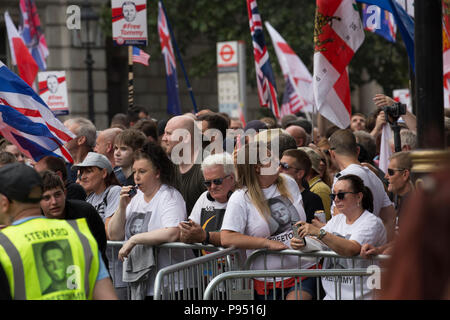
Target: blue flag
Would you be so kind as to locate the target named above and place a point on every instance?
(173, 99)
(404, 22)
(379, 21)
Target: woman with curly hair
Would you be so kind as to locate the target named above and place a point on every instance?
(151, 216)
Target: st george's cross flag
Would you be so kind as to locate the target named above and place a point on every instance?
(338, 33)
(298, 91)
(27, 122)
(20, 55)
(173, 98)
(265, 80)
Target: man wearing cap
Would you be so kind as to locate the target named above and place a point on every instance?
(316, 185)
(24, 251)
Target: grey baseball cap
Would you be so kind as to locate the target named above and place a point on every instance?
(94, 159)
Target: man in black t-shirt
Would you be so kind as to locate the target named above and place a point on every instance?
(54, 205)
(180, 146)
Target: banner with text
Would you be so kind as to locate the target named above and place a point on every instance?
(129, 22)
(53, 90)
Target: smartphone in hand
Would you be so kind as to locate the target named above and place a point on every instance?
(295, 231)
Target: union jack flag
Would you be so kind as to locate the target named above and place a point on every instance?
(173, 100)
(27, 122)
(32, 34)
(265, 79)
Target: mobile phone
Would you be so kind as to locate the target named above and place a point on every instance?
(132, 192)
(295, 231)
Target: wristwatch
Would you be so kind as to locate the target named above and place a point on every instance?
(322, 234)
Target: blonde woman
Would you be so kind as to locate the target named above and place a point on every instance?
(259, 215)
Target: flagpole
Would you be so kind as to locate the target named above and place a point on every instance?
(188, 84)
(130, 78)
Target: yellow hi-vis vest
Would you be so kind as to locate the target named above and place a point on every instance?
(50, 259)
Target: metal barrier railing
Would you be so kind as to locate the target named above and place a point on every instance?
(247, 292)
(115, 266)
(330, 260)
(197, 272)
(316, 255)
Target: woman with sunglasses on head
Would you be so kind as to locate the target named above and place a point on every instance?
(156, 204)
(346, 232)
(259, 215)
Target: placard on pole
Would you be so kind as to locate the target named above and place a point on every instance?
(129, 25)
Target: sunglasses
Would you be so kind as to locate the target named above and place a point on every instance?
(217, 181)
(285, 166)
(340, 195)
(391, 172)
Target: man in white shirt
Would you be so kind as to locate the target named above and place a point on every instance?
(344, 154)
(206, 217)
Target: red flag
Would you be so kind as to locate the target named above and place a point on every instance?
(338, 33)
(21, 57)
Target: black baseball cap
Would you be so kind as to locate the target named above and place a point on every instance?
(21, 183)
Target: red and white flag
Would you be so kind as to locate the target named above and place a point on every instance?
(298, 91)
(446, 51)
(20, 55)
(338, 33)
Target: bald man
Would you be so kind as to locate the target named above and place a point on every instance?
(179, 143)
(298, 133)
(105, 143)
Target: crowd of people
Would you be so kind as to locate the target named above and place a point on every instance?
(211, 179)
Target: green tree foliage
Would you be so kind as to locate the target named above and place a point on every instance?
(204, 22)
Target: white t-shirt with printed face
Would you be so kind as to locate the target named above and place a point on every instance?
(166, 209)
(243, 217)
(107, 202)
(371, 180)
(366, 229)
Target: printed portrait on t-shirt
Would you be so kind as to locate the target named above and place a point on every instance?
(137, 223)
(283, 213)
(53, 259)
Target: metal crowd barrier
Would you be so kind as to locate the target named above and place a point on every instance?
(115, 269)
(246, 292)
(314, 256)
(197, 272)
(223, 275)
(244, 289)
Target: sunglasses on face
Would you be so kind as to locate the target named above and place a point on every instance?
(340, 195)
(217, 181)
(391, 172)
(285, 166)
